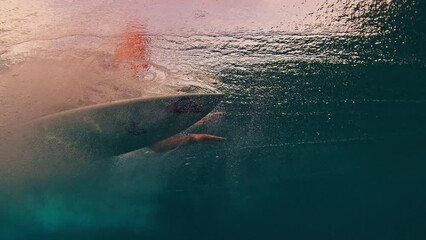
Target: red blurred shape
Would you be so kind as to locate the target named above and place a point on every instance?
(132, 51)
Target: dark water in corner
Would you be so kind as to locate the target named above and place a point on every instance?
(335, 153)
(325, 140)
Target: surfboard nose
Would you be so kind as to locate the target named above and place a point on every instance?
(115, 128)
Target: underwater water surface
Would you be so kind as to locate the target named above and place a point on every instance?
(324, 119)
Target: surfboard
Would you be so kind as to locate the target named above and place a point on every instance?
(119, 127)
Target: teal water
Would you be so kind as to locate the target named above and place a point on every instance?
(325, 140)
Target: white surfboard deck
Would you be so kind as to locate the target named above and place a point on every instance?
(119, 127)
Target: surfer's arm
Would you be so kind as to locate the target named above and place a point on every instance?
(174, 142)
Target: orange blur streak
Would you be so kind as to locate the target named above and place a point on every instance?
(132, 51)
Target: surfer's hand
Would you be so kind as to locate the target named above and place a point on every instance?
(178, 141)
(201, 137)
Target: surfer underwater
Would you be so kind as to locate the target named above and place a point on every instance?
(132, 53)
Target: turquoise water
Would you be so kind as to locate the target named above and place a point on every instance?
(325, 140)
